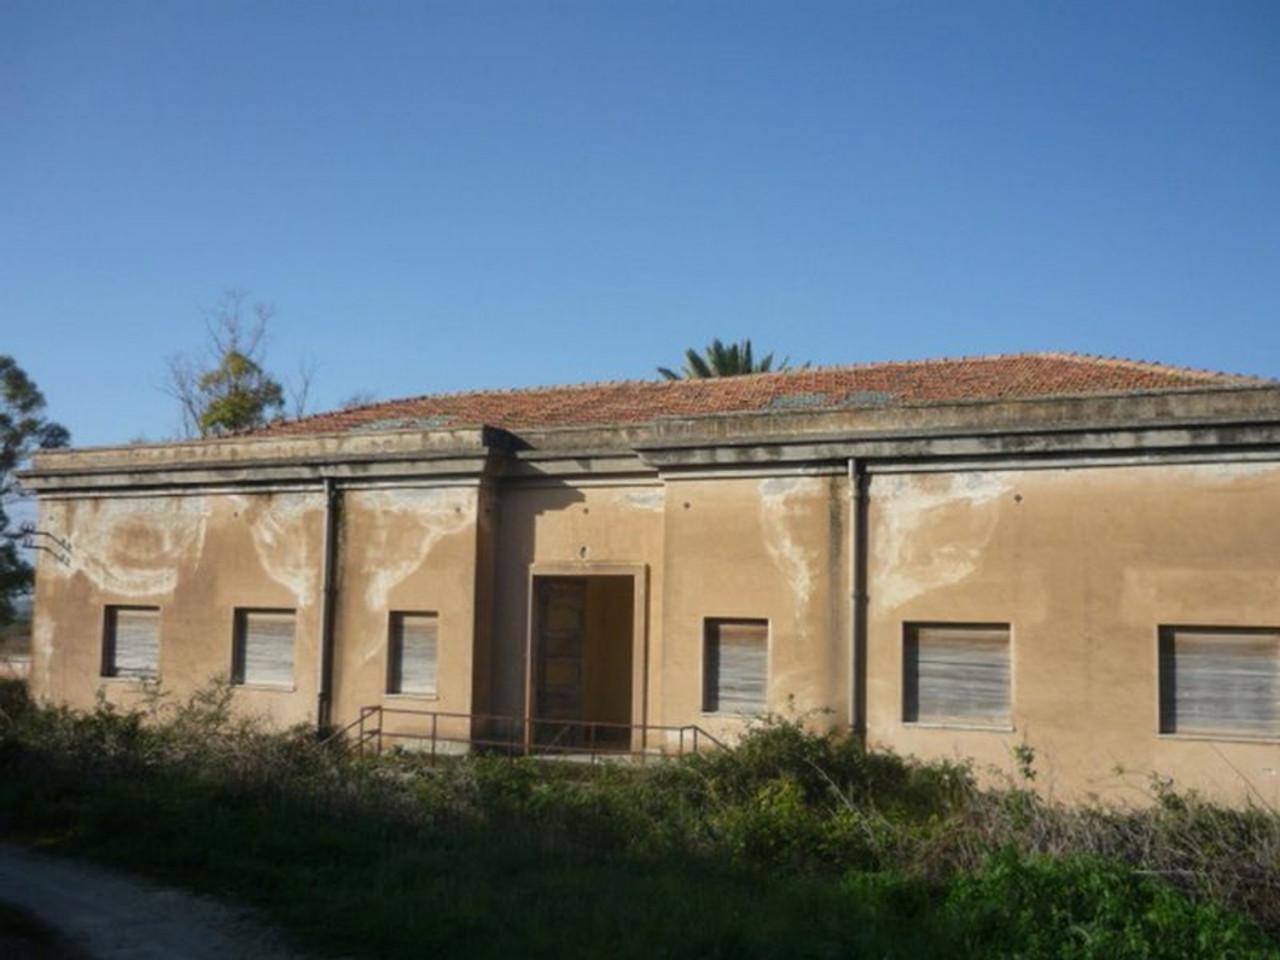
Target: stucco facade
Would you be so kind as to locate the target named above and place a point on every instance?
(1081, 525)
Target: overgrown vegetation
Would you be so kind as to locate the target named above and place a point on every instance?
(795, 844)
(15, 638)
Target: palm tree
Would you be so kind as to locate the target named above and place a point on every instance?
(718, 360)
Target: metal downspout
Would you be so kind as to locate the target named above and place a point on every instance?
(857, 599)
(328, 597)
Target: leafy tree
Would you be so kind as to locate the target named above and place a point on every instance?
(237, 394)
(23, 429)
(227, 388)
(721, 360)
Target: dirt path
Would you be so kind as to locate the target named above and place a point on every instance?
(111, 915)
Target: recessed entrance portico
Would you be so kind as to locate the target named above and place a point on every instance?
(585, 658)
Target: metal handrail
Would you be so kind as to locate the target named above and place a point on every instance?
(688, 736)
(341, 733)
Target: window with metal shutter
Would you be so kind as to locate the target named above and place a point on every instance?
(1220, 681)
(735, 666)
(956, 674)
(413, 648)
(131, 645)
(264, 648)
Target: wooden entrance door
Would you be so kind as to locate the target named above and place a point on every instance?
(558, 666)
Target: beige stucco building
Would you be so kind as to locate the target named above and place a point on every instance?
(952, 557)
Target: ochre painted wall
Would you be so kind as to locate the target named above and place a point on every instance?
(609, 649)
(407, 550)
(773, 548)
(197, 558)
(1085, 565)
(575, 530)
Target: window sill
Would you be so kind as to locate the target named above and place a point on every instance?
(975, 727)
(134, 681)
(1218, 738)
(714, 715)
(430, 697)
(267, 687)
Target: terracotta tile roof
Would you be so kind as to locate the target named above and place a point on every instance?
(895, 383)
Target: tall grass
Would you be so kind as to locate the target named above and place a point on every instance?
(791, 844)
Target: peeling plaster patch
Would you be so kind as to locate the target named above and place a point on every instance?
(912, 511)
(424, 517)
(41, 653)
(278, 524)
(778, 486)
(787, 551)
(135, 547)
(650, 500)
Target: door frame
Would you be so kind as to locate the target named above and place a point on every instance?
(639, 574)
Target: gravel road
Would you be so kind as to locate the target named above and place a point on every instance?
(114, 916)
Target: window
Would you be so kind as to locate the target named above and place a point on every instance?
(1220, 681)
(263, 654)
(411, 663)
(131, 642)
(956, 674)
(735, 660)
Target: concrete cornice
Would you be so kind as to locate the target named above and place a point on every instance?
(1218, 421)
(251, 460)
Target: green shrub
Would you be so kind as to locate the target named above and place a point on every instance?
(1079, 908)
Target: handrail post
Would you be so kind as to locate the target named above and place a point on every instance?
(382, 720)
(695, 740)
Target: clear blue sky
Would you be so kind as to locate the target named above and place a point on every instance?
(446, 195)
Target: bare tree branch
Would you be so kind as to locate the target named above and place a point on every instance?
(299, 388)
(235, 331)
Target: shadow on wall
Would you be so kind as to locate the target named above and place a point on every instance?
(518, 513)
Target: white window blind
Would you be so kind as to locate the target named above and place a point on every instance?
(1220, 681)
(413, 651)
(132, 642)
(956, 673)
(735, 666)
(264, 647)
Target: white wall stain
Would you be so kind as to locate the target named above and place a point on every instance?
(647, 500)
(131, 547)
(284, 528)
(778, 507)
(910, 560)
(418, 520)
(41, 653)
